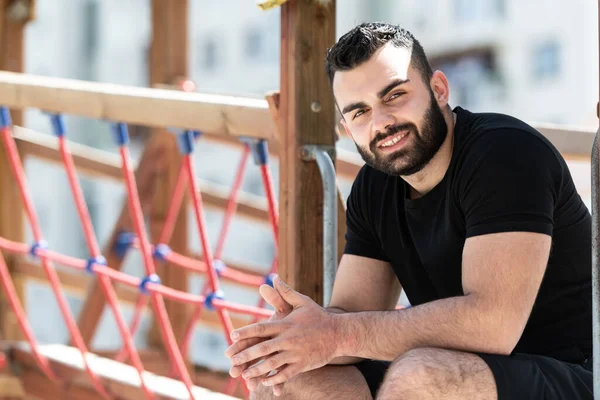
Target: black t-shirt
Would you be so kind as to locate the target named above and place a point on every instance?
(504, 176)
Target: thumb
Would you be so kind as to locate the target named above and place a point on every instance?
(273, 297)
(287, 293)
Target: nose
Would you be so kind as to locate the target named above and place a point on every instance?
(383, 119)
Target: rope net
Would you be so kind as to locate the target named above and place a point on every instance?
(151, 291)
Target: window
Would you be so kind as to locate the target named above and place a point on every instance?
(500, 8)
(546, 60)
(254, 44)
(465, 10)
(471, 10)
(208, 55)
(90, 36)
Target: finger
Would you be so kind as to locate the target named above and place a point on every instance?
(288, 294)
(237, 370)
(253, 383)
(241, 345)
(285, 374)
(255, 352)
(273, 297)
(258, 330)
(267, 365)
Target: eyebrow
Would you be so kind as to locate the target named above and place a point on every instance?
(380, 94)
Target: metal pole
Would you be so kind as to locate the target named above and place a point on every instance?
(328, 176)
(329, 222)
(596, 245)
(595, 266)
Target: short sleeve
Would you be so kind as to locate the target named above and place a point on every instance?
(361, 236)
(510, 182)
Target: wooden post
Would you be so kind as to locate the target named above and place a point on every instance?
(12, 27)
(306, 117)
(168, 63)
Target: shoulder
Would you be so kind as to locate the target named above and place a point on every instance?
(493, 138)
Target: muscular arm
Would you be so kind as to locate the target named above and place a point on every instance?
(502, 273)
(363, 284)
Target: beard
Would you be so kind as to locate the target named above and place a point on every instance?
(412, 158)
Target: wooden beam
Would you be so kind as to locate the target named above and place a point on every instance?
(120, 379)
(11, 388)
(306, 117)
(151, 162)
(215, 114)
(12, 32)
(154, 361)
(12, 42)
(168, 63)
(88, 160)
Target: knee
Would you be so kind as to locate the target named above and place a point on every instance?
(412, 372)
(298, 388)
(262, 393)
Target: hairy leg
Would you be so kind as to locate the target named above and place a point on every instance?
(330, 382)
(430, 373)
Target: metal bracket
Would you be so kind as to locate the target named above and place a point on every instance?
(269, 4)
(309, 152)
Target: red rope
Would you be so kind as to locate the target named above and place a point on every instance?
(157, 300)
(94, 249)
(13, 299)
(155, 291)
(178, 193)
(232, 202)
(271, 201)
(19, 174)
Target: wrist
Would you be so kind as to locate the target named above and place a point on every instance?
(341, 336)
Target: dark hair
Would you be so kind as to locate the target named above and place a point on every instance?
(359, 44)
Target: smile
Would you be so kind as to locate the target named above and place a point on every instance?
(395, 139)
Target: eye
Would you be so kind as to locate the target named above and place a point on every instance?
(358, 114)
(395, 95)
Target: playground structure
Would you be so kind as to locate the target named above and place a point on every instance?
(297, 125)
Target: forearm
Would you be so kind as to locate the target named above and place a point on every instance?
(459, 323)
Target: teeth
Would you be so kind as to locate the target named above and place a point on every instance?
(393, 141)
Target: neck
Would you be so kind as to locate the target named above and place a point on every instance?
(425, 180)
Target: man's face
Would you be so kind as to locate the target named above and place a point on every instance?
(390, 112)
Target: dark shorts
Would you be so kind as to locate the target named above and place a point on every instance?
(519, 376)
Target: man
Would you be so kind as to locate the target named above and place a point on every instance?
(475, 215)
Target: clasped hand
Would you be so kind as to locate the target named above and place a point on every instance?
(299, 337)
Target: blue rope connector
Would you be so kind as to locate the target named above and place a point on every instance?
(186, 142)
(120, 134)
(269, 279)
(58, 124)
(219, 267)
(150, 278)
(208, 302)
(161, 251)
(5, 120)
(99, 260)
(197, 134)
(260, 153)
(42, 244)
(123, 243)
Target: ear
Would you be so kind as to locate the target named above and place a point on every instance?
(346, 129)
(441, 88)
